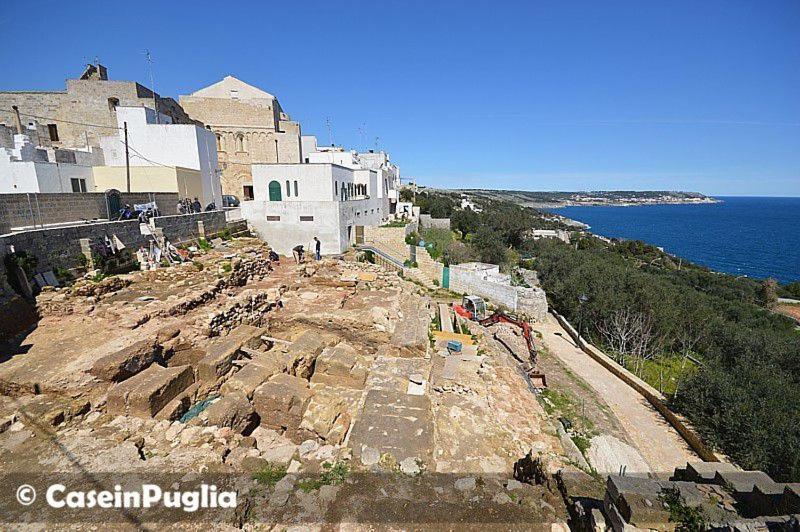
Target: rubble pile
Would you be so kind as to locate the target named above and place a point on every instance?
(304, 374)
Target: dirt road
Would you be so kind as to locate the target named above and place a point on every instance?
(660, 445)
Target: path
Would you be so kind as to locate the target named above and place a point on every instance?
(660, 445)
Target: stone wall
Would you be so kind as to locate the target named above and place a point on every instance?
(61, 246)
(85, 101)
(486, 281)
(26, 210)
(425, 221)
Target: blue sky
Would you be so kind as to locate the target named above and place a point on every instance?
(557, 95)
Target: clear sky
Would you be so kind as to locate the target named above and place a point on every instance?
(558, 95)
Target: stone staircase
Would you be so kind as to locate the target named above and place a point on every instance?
(393, 244)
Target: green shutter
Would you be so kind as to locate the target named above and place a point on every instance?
(274, 191)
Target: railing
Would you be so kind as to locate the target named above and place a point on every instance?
(382, 254)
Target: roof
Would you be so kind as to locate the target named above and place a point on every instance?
(223, 88)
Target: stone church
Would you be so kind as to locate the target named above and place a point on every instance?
(251, 128)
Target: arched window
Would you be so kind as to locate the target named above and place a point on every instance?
(112, 104)
(274, 191)
(288, 190)
(219, 141)
(239, 142)
(295, 189)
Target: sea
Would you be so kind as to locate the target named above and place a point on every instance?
(754, 236)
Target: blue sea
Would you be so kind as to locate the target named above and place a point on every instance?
(753, 236)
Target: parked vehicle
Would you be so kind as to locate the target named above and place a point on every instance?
(230, 201)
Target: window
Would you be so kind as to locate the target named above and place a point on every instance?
(234, 94)
(239, 142)
(288, 190)
(335, 188)
(295, 189)
(112, 104)
(219, 141)
(247, 192)
(273, 218)
(53, 130)
(306, 218)
(274, 191)
(306, 160)
(78, 185)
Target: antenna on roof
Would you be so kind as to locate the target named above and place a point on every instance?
(377, 143)
(362, 133)
(330, 129)
(152, 83)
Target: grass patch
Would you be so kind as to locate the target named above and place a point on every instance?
(204, 244)
(333, 474)
(396, 223)
(270, 474)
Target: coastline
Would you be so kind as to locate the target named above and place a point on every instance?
(744, 238)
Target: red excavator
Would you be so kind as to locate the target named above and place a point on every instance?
(474, 308)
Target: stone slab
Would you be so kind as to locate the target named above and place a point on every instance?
(395, 423)
(144, 394)
(303, 352)
(445, 318)
(126, 362)
(251, 376)
(282, 401)
(221, 353)
(340, 365)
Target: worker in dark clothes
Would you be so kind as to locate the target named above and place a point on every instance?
(317, 248)
(298, 253)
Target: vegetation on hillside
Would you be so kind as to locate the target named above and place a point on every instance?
(707, 340)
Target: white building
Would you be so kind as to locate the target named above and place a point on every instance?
(332, 195)
(161, 143)
(27, 168)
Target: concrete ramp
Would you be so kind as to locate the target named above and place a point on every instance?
(445, 318)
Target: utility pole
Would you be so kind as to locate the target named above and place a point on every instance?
(127, 157)
(17, 121)
(152, 83)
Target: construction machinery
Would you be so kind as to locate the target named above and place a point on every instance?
(474, 308)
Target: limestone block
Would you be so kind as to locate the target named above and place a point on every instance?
(223, 351)
(251, 376)
(304, 351)
(340, 365)
(232, 410)
(127, 361)
(180, 405)
(320, 416)
(281, 401)
(144, 394)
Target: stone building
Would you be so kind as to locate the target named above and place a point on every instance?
(59, 117)
(250, 127)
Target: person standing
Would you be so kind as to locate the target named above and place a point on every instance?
(196, 207)
(181, 207)
(317, 248)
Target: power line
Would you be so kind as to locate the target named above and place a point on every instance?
(70, 122)
(134, 150)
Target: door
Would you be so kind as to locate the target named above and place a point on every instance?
(274, 191)
(113, 203)
(359, 234)
(445, 277)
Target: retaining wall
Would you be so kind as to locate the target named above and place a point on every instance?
(31, 209)
(425, 221)
(486, 281)
(653, 396)
(60, 246)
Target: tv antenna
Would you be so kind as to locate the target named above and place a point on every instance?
(362, 133)
(330, 129)
(149, 59)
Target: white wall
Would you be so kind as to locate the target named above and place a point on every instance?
(166, 144)
(18, 176)
(285, 234)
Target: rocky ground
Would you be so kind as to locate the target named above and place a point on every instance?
(317, 392)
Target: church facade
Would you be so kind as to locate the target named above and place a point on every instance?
(250, 128)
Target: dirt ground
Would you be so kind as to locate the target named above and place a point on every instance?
(315, 392)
